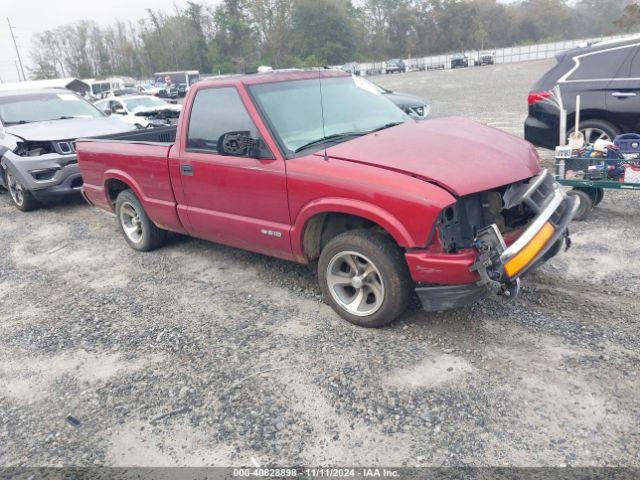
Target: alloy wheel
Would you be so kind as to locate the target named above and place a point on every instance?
(355, 283)
(15, 189)
(592, 134)
(131, 223)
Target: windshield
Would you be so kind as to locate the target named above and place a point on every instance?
(350, 105)
(134, 104)
(39, 107)
(98, 88)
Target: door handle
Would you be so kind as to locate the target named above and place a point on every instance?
(186, 169)
(623, 94)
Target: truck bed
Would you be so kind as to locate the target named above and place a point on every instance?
(139, 159)
(161, 135)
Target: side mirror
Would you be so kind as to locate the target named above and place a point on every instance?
(118, 110)
(107, 111)
(239, 144)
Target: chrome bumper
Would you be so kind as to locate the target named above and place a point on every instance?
(554, 210)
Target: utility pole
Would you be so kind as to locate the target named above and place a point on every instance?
(15, 62)
(24, 77)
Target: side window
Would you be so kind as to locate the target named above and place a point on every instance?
(220, 123)
(601, 65)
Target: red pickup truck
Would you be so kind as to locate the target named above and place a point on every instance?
(318, 167)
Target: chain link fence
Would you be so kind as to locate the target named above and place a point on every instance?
(500, 55)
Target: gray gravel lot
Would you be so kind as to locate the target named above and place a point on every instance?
(198, 354)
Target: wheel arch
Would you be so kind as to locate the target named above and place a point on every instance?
(322, 220)
(116, 181)
(592, 114)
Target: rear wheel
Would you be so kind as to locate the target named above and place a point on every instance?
(594, 130)
(138, 229)
(22, 198)
(586, 204)
(364, 277)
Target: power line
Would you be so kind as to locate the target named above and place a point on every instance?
(24, 77)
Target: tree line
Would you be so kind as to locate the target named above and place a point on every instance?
(239, 35)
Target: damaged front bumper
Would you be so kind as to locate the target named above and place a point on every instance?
(499, 266)
(48, 176)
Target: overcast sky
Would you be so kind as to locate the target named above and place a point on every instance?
(33, 16)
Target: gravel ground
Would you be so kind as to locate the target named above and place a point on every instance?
(198, 354)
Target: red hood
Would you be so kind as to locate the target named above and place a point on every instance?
(457, 153)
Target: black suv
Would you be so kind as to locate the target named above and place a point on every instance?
(606, 75)
(395, 65)
(459, 60)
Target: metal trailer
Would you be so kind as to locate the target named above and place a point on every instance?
(589, 178)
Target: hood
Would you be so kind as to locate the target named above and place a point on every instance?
(405, 99)
(459, 154)
(68, 129)
(144, 112)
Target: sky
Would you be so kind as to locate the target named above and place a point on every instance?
(34, 16)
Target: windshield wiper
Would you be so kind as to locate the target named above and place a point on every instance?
(63, 118)
(329, 138)
(385, 126)
(19, 122)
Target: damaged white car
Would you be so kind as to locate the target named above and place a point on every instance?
(141, 110)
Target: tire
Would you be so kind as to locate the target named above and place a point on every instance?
(599, 196)
(595, 194)
(21, 198)
(137, 228)
(597, 129)
(586, 204)
(384, 292)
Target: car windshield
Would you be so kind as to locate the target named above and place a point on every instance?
(351, 107)
(135, 104)
(40, 107)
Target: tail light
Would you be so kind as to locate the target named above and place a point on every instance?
(535, 97)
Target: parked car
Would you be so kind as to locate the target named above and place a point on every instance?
(606, 75)
(395, 65)
(410, 104)
(125, 91)
(459, 60)
(382, 202)
(182, 89)
(485, 58)
(351, 67)
(38, 129)
(141, 110)
(375, 69)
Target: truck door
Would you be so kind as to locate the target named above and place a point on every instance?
(234, 188)
(623, 94)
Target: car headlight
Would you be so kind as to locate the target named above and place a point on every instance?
(421, 111)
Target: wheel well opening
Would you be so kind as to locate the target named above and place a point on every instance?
(114, 187)
(585, 115)
(321, 228)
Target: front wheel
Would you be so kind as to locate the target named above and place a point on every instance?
(22, 198)
(137, 228)
(364, 277)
